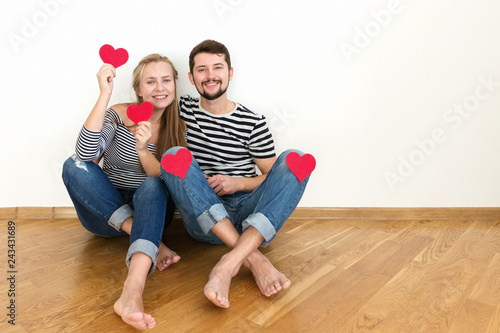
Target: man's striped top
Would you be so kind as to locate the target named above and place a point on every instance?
(226, 144)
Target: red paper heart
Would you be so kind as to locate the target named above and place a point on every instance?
(301, 166)
(138, 113)
(114, 57)
(177, 164)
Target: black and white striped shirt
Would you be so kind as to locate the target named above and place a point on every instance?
(120, 160)
(226, 144)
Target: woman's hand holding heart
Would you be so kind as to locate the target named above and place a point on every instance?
(105, 78)
(143, 134)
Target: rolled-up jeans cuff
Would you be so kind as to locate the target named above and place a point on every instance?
(260, 222)
(119, 216)
(210, 217)
(146, 247)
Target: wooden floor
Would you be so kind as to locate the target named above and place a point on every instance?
(352, 275)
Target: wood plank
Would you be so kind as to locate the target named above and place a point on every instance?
(314, 213)
(64, 213)
(472, 317)
(457, 272)
(35, 213)
(487, 290)
(397, 213)
(408, 289)
(494, 324)
(8, 213)
(348, 275)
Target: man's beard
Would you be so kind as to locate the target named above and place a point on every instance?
(216, 95)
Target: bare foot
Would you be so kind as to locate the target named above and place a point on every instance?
(166, 257)
(219, 281)
(130, 308)
(269, 280)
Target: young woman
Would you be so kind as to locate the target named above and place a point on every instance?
(126, 195)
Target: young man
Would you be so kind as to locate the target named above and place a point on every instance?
(221, 198)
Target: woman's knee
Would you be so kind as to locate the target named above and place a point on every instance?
(154, 187)
(68, 165)
(72, 166)
(153, 184)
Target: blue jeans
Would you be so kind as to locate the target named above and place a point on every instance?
(266, 208)
(102, 208)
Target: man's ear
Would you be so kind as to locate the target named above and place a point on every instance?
(190, 75)
(231, 74)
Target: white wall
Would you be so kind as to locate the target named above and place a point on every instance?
(389, 96)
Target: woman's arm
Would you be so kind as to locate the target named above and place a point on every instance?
(105, 78)
(90, 144)
(143, 134)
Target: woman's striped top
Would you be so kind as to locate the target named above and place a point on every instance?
(117, 145)
(226, 144)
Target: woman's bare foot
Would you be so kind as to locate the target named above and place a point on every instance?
(269, 280)
(130, 308)
(166, 257)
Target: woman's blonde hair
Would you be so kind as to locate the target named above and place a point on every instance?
(172, 127)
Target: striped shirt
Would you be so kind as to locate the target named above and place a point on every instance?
(226, 144)
(117, 145)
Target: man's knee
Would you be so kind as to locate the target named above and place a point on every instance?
(282, 158)
(172, 151)
(288, 151)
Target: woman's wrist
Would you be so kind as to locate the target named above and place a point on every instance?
(142, 151)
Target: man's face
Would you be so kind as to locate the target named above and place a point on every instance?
(210, 75)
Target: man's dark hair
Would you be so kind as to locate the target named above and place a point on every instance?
(209, 46)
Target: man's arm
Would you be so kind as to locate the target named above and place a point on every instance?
(228, 185)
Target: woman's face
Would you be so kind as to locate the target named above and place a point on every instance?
(157, 84)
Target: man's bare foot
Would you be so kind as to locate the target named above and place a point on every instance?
(166, 257)
(130, 308)
(219, 281)
(269, 280)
